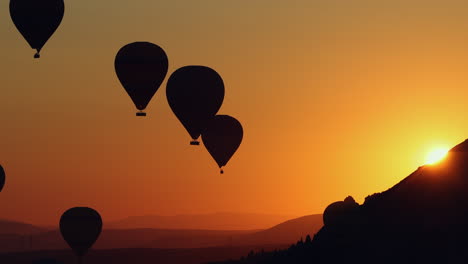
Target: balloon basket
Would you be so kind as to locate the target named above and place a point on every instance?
(195, 143)
(37, 55)
(140, 114)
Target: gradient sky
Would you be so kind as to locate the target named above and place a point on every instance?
(336, 98)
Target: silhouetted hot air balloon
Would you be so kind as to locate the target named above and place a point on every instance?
(80, 227)
(141, 68)
(2, 178)
(195, 94)
(222, 138)
(37, 20)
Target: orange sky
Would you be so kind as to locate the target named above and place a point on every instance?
(336, 98)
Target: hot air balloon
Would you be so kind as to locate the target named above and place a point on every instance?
(37, 20)
(2, 178)
(222, 138)
(80, 228)
(141, 68)
(195, 94)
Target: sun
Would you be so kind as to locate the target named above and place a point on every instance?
(436, 155)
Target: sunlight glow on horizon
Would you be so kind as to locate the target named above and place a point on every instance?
(436, 155)
(323, 112)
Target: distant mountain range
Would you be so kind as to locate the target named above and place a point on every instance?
(282, 234)
(216, 221)
(18, 228)
(285, 233)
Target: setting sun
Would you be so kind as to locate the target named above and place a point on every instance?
(436, 155)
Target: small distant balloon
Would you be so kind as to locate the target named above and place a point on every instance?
(141, 68)
(37, 20)
(195, 94)
(2, 178)
(222, 138)
(80, 228)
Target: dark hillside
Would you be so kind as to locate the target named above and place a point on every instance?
(422, 219)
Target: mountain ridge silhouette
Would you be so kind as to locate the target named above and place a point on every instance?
(421, 219)
(212, 221)
(281, 234)
(12, 227)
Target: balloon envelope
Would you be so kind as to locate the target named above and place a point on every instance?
(80, 227)
(37, 20)
(195, 94)
(2, 178)
(141, 68)
(222, 138)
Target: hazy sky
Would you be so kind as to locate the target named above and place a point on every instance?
(336, 98)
